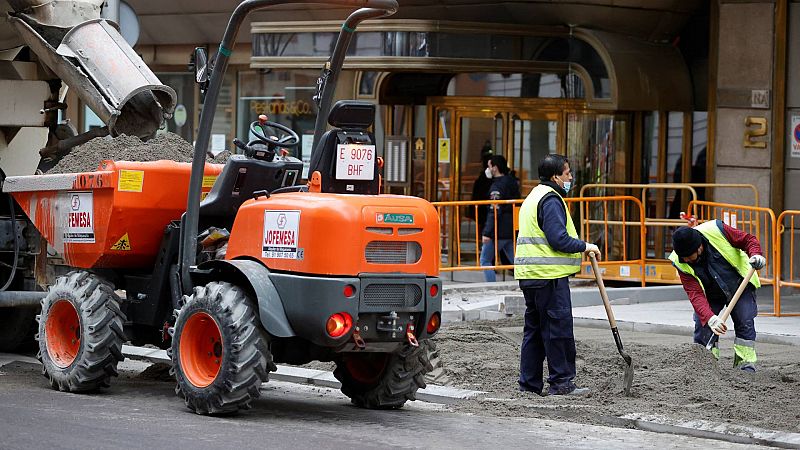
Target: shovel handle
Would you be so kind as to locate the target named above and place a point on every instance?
(735, 299)
(611, 320)
(727, 312)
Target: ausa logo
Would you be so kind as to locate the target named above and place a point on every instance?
(394, 218)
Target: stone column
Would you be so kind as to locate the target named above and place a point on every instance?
(744, 133)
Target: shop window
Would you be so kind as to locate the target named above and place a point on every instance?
(650, 148)
(597, 148)
(285, 97)
(182, 122)
(699, 145)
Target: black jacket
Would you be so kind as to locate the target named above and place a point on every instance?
(505, 187)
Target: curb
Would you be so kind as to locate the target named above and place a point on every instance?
(323, 378)
(712, 430)
(680, 330)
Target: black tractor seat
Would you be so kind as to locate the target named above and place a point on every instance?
(240, 179)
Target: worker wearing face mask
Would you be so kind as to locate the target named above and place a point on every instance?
(498, 230)
(548, 251)
(712, 260)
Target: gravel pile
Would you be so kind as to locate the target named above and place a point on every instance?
(167, 146)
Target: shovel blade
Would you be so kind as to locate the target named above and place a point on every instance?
(627, 380)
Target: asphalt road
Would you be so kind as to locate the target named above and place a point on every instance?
(139, 413)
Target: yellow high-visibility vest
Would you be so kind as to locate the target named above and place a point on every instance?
(712, 231)
(534, 257)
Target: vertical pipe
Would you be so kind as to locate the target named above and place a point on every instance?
(779, 106)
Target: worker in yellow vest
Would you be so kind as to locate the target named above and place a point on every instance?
(712, 260)
(548, 251)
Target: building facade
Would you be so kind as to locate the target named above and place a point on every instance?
(632, 91)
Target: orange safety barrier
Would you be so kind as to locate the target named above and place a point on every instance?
(453, 245)
(619, 225)
(757, 221)
(787, 249)
(616, 261)
(461, 242)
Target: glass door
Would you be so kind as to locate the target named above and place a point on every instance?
(533, 136)
(480, 135)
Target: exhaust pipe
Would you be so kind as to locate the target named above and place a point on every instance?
(93, 59)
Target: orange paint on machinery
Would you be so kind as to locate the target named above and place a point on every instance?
(112, 218)
(338, 234)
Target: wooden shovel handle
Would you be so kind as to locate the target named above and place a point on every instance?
(611, 320)
(727, 312)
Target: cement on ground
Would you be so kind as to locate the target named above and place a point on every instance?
(166, 146)
(673, 377)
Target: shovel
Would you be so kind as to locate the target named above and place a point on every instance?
(628, 375)
(727, 311)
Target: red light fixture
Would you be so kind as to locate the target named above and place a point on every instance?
(434, 323)
(434, 290)
(349, 291)
(339, 324)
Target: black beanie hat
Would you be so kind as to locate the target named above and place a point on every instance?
(686, 241)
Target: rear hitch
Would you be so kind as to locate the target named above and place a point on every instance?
(359, 341)
(410, 336)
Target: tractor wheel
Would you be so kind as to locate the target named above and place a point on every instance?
(383, 380)
(18, 329)
(437, 375)
(80, 333)
(220, 354)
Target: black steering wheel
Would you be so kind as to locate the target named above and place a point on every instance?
(259, 127)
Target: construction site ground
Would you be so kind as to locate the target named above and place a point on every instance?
(676, 382)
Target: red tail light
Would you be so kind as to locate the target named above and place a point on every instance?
(339, 324)
(434, 323)
(349, 291)
(434, 290)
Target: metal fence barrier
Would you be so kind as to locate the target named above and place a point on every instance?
(757, 221)
(787, 271)
(621, 226)
(608, 221)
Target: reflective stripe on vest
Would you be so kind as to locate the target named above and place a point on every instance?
(712, 231)
(534, 258)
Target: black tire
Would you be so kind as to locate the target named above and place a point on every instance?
(18, 329)
(383, 380)
(241, 355)
(437, 374)
(99, 334)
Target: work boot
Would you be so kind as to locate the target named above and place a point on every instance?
(533, 391)
(568, 389)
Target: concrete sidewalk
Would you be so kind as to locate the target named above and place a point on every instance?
(675, 317)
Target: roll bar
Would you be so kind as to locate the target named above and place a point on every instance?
(368, 9)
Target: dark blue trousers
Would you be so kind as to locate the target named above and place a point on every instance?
(547, 335)
(743, 314)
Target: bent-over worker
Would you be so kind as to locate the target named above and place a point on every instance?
(712, 260)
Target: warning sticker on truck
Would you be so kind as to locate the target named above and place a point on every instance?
(131, 180)
(80, 218)
(281, 235)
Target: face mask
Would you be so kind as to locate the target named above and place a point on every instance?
(488, 172)
(567, 184)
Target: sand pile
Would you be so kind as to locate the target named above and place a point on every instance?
(674, 378)
(167, 146)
